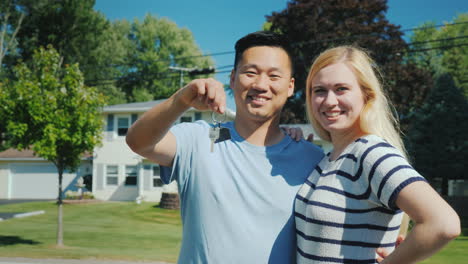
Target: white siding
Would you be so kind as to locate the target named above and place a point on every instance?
(37, 181)
(4, 185)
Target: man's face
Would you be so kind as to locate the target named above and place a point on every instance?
(262, 83)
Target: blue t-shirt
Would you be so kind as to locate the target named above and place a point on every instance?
(237, 201)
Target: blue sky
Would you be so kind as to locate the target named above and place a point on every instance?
(217, 24)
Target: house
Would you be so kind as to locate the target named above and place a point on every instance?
(26, 176)
(118, 172)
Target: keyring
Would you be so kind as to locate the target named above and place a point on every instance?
(217, 121)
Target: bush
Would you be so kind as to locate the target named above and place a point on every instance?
(75, 195)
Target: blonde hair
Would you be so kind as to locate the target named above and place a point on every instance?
(376, 117)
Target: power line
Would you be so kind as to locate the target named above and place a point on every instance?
(170, 75)
(305, 42)
(435, 26)
(166, 75)
(436, 48)
(436, 40)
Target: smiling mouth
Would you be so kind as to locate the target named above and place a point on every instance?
(257, 98)
(332, 114)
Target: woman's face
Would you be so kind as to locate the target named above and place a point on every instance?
(337, 100)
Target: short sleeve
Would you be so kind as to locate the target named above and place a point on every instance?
(388, 172)
(188, 139)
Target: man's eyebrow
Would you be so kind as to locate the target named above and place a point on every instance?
(251, 65)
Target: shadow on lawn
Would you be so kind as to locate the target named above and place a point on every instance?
(13, 240)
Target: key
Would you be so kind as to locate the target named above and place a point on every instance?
(214, 135)
(224, 134)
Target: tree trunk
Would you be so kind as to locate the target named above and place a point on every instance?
(60, 213)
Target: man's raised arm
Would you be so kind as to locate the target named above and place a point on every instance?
(149, 136)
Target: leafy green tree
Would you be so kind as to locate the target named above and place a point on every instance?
(126, 61)
(438, 134)
(157, 44)
(9, 27)
(79, 33)
(443, 49)
(48, 109)
(72, 27)
(315, 25)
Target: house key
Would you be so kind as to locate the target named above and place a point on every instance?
(214, 135)
(214, 130)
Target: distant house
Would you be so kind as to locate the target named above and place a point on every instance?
(26, 176)
(118, 172)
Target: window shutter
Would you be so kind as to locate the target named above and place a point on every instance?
(134, 118)
(147, 177)
(100, 177)
(110, 122)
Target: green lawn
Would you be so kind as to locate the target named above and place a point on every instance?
(113, 230)
(121, 231)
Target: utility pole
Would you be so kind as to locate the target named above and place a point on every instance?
(191, 71)
(181, 73)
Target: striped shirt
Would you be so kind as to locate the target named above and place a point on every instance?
(346, 208)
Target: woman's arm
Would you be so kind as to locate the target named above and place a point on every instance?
(436, 224)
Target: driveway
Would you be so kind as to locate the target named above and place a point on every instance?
(4, 216)
(12, 201)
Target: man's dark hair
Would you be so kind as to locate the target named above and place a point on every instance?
(262, 38)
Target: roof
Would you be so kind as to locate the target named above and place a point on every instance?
(132, 107)
(145, 106)
(27, 154)
(18, 154)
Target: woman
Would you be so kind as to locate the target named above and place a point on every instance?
(352, 202)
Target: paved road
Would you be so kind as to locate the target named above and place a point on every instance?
(67, 261)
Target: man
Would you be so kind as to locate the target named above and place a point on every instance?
(237, 197)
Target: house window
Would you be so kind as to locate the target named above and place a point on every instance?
(131, 175)
(197, 116)
(157, 182)
(112, 174)
(186, 119)
(123, 123)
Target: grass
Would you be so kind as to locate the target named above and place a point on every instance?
(122, 231)
(456, 252)
(112, 230)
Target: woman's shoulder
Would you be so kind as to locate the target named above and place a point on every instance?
(372, 147)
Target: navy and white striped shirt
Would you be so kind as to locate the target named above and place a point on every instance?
(346, 209)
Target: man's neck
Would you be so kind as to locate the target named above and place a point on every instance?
(259, 133)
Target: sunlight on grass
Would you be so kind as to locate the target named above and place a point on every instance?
(120, 231)
(110, 230)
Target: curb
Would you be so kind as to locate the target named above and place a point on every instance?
(21, 215)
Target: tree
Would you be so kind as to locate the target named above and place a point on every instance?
(47, 108)
(126, 61)
(79, 33)
(8, 30)
(437, 135)
(158, 43)
(72, 27)
(314, 25)
(443, 49)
